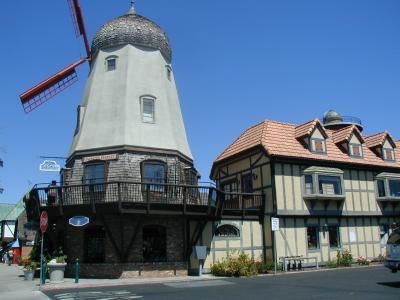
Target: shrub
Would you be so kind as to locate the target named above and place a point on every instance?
(380, 258)
(28, 264)
(363, 261)
(344, 258)
(235, 266)
(332, 264)
(264, 267)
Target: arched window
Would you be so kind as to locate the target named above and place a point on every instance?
(227, 230)
(154, 243)
(111, 63)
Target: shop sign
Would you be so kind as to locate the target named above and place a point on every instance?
(275, 224)
(100, 157)
(49, 166)
(78, 221)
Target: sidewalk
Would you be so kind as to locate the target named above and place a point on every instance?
(14, 287)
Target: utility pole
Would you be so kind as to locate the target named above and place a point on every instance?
(1, 165)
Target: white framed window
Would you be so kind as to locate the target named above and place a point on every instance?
(387, 185)
(388, 154)
(318, 145)
(355, 150)
(111, 63)
(148, 109)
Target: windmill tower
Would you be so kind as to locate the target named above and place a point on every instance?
(129, 152)
(130, 103)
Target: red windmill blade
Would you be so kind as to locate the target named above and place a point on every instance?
(58, 82)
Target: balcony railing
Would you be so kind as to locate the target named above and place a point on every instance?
(138, 194)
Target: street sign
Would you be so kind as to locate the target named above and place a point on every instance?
(44, 220)
(78, 221)
(275, 224)
(49, 166)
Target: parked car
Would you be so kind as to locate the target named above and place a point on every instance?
(392, 260)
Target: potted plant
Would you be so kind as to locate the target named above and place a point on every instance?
(29, 268)
(56, 266)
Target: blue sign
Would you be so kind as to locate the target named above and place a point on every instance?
(78, 221)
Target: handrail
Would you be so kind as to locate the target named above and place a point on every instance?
(125, 192)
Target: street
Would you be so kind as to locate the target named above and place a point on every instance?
(353, 283)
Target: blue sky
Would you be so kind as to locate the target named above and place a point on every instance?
(235, 63)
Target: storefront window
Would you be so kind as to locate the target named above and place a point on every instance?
(334, 239)
(154, 243)
(312, 237)
(384, 234)
(94, 245)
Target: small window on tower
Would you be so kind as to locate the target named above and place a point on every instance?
(111, 63)
(169, 72)
(148, 110)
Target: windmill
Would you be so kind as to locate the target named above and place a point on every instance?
(47, 89)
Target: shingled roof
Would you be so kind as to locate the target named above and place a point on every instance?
(279, 139)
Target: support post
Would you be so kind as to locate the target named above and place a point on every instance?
(275, 254)
(77, 270)
(41, 260)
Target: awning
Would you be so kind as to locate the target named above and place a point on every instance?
(15, 244)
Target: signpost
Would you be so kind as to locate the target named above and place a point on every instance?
(44, 221)
(274, 228)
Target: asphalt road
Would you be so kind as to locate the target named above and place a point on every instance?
(355, 283)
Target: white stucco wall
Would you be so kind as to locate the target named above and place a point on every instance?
(111, 110)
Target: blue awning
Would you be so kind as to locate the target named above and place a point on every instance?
(15, 244)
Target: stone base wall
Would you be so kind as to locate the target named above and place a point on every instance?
(130, 270)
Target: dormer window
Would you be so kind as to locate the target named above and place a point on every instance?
(355, 150)
(383, 145)
(312, 135)
(388, 154)
(318, 145)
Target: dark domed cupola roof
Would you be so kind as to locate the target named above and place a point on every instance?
(135, 30)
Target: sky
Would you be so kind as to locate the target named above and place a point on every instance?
(235, 63)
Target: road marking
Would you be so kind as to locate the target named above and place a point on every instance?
(195, 284)
(111, 295)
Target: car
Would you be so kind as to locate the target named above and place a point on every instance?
(392, 260)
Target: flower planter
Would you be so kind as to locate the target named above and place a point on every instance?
(29, 274)
(56, 272)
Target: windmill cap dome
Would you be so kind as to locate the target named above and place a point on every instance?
(332, 116)
(135, 30)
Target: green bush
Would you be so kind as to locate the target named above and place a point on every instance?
(235, 266)
(264, 267)
(344, 258)
(332, 264)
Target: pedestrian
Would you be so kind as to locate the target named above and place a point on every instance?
(52, 193)
(10, 255)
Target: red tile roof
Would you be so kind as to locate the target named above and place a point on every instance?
(307, 128)
(344, 135)
(279, 139)
(378, 139)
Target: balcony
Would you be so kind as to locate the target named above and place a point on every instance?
(145, 198)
